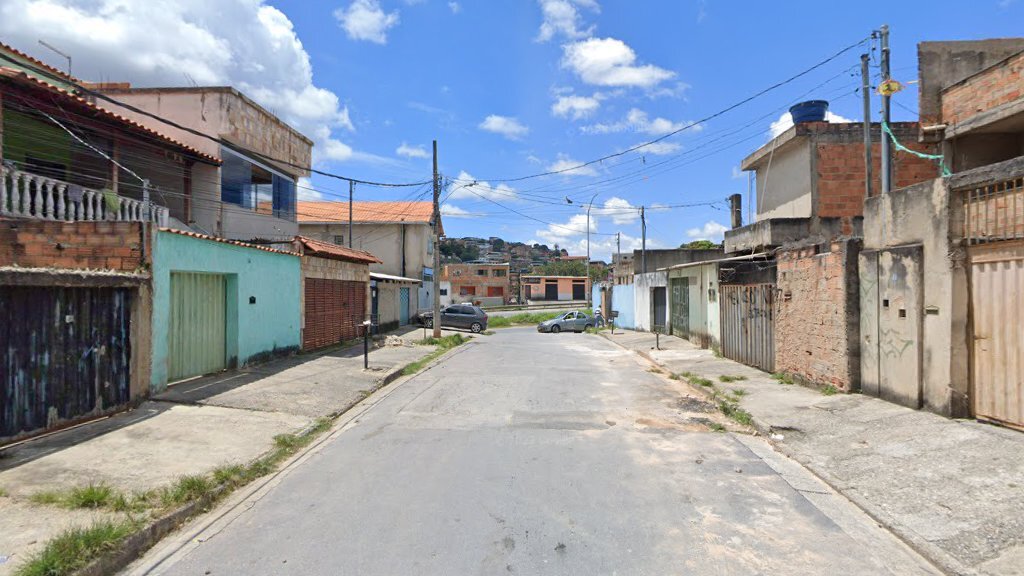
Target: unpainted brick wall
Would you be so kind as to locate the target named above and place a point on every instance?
(90, 245)
(817, 323)
(840, 175)
(1001, 84)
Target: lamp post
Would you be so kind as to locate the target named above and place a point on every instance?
(590, 205)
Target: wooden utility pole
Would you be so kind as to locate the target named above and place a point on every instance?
(351, 187)
(437, 249)
(866, 93)
(643, 241)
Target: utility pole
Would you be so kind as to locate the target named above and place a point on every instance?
(643, 241)
(618, 250)
(437, 249)
(351, 187)
(886, 145)
(866, 93)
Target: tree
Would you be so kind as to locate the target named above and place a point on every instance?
(700, 245)
(498, 245)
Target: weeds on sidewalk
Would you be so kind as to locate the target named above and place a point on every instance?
(443, 344)
(697, 380)
(783, 378)
(522, 318)
(727, 400)
(90, 496)
(727, 378)
(3, 492)
(829, 390)
(76, 547)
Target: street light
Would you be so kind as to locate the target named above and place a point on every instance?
(589, 206)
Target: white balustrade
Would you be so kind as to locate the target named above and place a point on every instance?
(27, 195)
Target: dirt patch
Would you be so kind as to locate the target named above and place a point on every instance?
(691, 404)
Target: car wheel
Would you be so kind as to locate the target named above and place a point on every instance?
(476, 327)
(556, 329)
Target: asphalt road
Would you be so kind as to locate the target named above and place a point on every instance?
(527, 453)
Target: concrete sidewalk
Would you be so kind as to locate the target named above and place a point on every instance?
(953, 489)
(192, 428)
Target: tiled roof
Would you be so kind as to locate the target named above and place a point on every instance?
(335, 252)
(33, 82)
(226, 241)
(390, 212)
(37, 62)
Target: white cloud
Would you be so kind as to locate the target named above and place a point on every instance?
(412, 151)
(506, 126)
(468, 187)
(710, 231)
(455, 7)
(152, 43)
(620, 211)
(562, 232)
(737, 173)
(454, 212)
(562, 17)
(571, 167)
(365, 20)
(610, 62)
(785, 122)
(637, 120)
(576, 107)
(663, 148)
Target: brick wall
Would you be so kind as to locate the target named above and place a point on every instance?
(817, 327)
(840, 175)
(998, 85)
(91, 245)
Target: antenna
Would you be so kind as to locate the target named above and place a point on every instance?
(51, 47)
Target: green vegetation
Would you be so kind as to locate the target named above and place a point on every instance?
(739, 392)
(732, 410)
(829, 390)
(783, 378)
(75, 548)
(726, 378)
(3, 492)
(700, 245)
(185, 489)
(697, 380)
(91, 496)
(521, 318)
(50, 497)
(716, 427)
(444, 344)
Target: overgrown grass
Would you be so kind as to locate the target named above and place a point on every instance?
(727, 378)
(697, 380)
(829, 390)
(732, 410)
(716, 427)
(75, 548)
(738, 392)
(521, 318)
(443, 344)
(783, 378)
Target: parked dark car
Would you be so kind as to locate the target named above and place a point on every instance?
(575, 321)
(466, 316)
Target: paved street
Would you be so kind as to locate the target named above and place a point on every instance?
(536, 454)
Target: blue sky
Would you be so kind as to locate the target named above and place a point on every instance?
(516, 87)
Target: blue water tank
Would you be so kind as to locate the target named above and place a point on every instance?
(809, 111)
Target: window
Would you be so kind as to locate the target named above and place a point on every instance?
(499, 273)
(495, 291)
(254, 186)
(467, 290)
(443, 291)
(481, 272)
(339, 240)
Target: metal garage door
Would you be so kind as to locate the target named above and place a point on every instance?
(195, 340)
(334, 311)
(551, 291)
(748, 324)
(680, 304)
(997, 282)
(66, 354)
(660, 308)
(579, 291)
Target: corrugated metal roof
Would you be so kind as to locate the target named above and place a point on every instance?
(226, 241)
(335, 252)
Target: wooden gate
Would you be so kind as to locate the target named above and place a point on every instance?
(997, 283)
(334, 311)
(748, 324)
(680, 305)
(66, 355)
(196, 335)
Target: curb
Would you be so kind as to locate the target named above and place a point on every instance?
(936, 556)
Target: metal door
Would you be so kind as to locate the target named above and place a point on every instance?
(196, 334)
(748, 324)
(403, 306)
(680, 304)
(997, 283)
(551, 291)
(579, 292)
(66, 355)
(660, 308)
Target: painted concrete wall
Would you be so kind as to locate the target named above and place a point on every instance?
(385, 242)
(705, 309)
(253, 330)
(643, 298)
(784, 190)
(923, 215)
(623, 302)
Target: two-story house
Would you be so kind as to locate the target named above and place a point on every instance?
(484, 284)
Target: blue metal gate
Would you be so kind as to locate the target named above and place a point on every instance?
(66, 355)
(403, 309)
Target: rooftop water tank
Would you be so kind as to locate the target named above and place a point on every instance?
(809, 111)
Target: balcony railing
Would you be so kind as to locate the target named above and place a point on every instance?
(27, 195)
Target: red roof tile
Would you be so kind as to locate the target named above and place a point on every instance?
(335, 252)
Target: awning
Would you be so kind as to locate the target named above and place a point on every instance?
(392, 279)
(759, 255)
